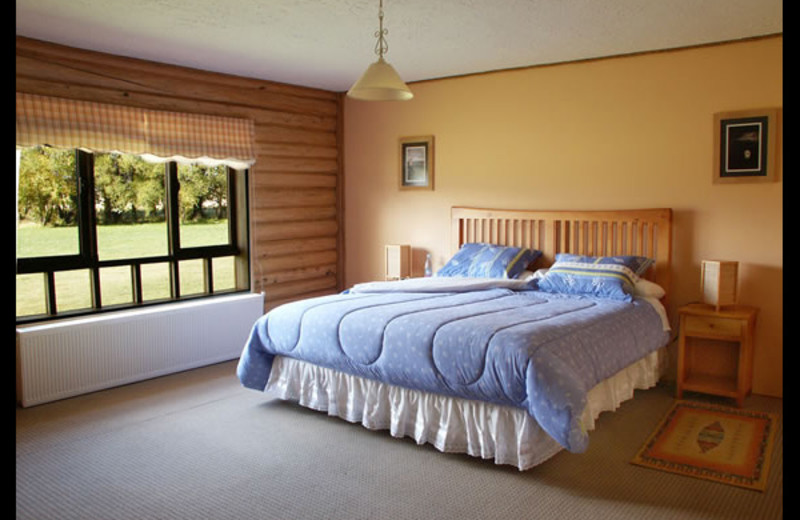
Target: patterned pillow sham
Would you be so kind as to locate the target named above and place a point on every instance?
(488, 261)
(612, 277)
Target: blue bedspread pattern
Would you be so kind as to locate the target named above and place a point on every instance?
(538, 351)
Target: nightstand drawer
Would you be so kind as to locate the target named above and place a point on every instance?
(713, 326)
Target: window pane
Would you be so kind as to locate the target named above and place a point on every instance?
(224, 278)
(123, 241)
(192, 274)
(47, 203)
(203, 199)
(73, 290)
(116, 285)
(155, 282)
(31, 294)
(129, 202)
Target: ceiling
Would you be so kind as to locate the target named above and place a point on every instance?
(328, 43)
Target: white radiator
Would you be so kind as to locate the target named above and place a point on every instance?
(69, 357)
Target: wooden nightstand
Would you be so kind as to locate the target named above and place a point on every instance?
(715, 350)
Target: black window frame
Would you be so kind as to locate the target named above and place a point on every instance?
(88, 258)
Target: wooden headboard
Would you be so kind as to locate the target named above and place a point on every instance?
(644, 232)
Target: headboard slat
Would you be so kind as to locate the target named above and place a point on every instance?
(644, 232)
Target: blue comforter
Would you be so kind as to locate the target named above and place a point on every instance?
(504, 343)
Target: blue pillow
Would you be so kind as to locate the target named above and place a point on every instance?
(638, 264)
(610, 277)
(488, 261)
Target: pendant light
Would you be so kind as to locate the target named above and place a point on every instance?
(380, 82)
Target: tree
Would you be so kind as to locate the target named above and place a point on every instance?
(124, 183)
(201, 184)
(48, 188)
(150, 190)
(124, 186)
(218, 190)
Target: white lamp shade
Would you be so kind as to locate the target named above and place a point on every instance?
(380, 82)
(398, 262)
(718, 280)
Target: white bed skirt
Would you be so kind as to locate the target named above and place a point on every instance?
(506, 434)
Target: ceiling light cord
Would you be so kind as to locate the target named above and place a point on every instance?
(381, 46)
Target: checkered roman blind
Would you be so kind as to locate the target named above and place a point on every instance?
(158, 135)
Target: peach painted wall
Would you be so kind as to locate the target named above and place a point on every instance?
(629, 132)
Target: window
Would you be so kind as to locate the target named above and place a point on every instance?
(103, 231)
(127, 206)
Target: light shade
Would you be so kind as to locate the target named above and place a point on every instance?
(380, 82)
(398, 262)
(718, 280)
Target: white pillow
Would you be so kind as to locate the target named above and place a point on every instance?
(530, 275)
(647, 288)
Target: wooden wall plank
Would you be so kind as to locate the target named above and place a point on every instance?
(294, 230)
(267, 197)
(297, 150)
(133, 68)
(299, 246)
(293, 214)
(294, 275)
(289, 290)
(160, 101)
(276, 134)
(281, 264)
(296, 164)
(298, 180)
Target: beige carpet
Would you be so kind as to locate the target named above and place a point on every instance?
(198, 446)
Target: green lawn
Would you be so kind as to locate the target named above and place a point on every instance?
(114, 242)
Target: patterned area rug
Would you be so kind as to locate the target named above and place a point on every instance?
(711, 442)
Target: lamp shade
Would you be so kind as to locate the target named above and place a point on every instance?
(718, 280)
(398, 262)
(380, 82)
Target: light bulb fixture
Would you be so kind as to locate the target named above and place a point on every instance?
(380, 82)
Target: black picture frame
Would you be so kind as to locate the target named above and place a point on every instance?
(745, 144)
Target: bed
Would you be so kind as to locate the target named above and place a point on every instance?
(539, 322)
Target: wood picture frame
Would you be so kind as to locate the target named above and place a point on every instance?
(416, 163)
(745, 144)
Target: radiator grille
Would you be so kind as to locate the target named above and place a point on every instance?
(71, 357)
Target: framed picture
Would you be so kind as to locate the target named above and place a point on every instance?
(745, 144)
(416, 163)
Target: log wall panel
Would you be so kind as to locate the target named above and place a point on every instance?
(293, 275)
(299, 246)
(299, 180)
(281, 264)
(295, 186)
(116, 73)
(276, 302)
(45, 51)
(273, 134)
(271, 197)
(276, 163)
(288, 290)
(294, 214)
(292, 230)
(298, 150)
